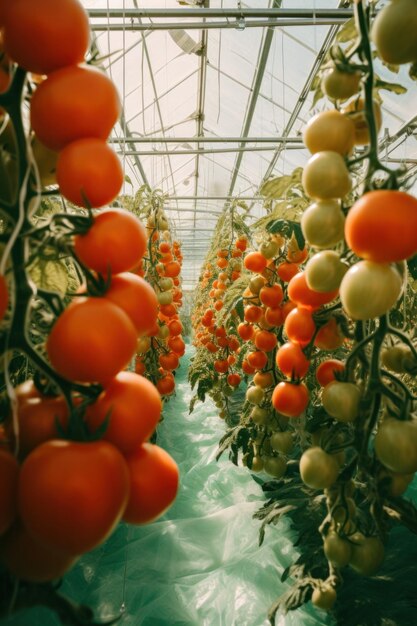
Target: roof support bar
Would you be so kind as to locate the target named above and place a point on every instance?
(205, 13)
(205, 139)
(263, 23)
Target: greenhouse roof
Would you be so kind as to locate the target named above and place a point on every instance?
(215, 95)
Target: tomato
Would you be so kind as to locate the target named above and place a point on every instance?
(274, 317)
(263, 379)
(324, 271)
(326, 176)
(265, 340)
(299, 326)
(257, 359)
(398, 358)
(275, 466)
(290, 399)
(4, 296)
(38, 418)
(154, 479)
(166, 384)
(72, 495)
(136, 297)
(175, 328)
(340, 85)
(393, 32)
(115, 242)
(133, 407)
(300, 293)
(318, 469)
(282, 442)
(356, 111)
(271, 296)
(177, 345)
(253, 313)
(89, 173)
(45, 161)
(393, 484)
(91, 340)
(323, 223)
(324, 597)
(341, 400)
(73, 103)
(234, 380)
(172, 269)
(396, 445)
(329, 336)
(31, 561)
(255, 262)
(325, 372)
(370, 289)
(45, 40)
(367, 554)
(287, 270)
(338, 551)
(292, 361)
(255, 395)
(9, 475)
(329, 130)
(382, 226)
(269, 249)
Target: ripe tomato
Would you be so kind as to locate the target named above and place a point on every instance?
(175, 328)
(393, 32)
(300, 293)
(9, 474)
(299, 326)
(133, 406)
(370, 289)
(265, 340)
(253, 313)
(323, 223)
(38, 419)
(31, 561)
(257, 359)
(292, 361)
(245, 331)
(89, 173)
(329, 130)
(45, 40)
(290, 399)
(91, 340)
(287, 270)
(170, 361)
(166, 384)
(326, 176)
(154, 479)
(172, 269)
(382, 226)
(271, 296)
(339, 85)
(136, 297)
(74, 102)
(318, 469)
(234, 380)
(115, 243)
(325, 372)
(255, 262)
(72, 495)
(263, 379)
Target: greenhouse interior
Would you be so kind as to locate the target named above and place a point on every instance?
(208, 297)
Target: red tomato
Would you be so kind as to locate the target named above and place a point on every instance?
(166, 384)
(299, 326)
(29, 560)
(89, 173)
(290, 399)
(300, 293)
(154, 478)
(292, 361)
(46, 39)
(325, 372)
(136, 297)
(73, 103)
(133, 406)
(115, 243)
(38, 419)
(91, 340)
(72, 495)
(9, 474)
(382, 226)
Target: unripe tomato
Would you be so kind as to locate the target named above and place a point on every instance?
(370, 289)
(324, 597)
(275, 466)
(339, 85)
(394, 32)
(323, 223)
(259, 416)
(326, 176)
(398, 358)
(329, 130)
(318, 469)
(324, 271)
(367, 554)
(396, 445)
(282, 442)
(356, 111)
(341, 400)
(255, 395)
(338, 551)
(257, 464)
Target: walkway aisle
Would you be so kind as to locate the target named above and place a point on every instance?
(199, 565)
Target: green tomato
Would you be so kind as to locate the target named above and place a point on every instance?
(323, 223)
(394, 32)
(318, 469)
(338, 551)
(396, 445)
(338, 85)
(367, 554)
(275, 466)
(326, 176)
(341, 400)
(324, 271)
(324, 597)
(282, 442)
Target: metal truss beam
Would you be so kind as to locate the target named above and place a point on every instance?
(206, 13)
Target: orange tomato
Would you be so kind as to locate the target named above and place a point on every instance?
(290, 399)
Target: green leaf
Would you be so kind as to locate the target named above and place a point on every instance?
(412, 72)
(239, 309)
(49, 275)
(412, 266)
(392, 87)
(128, 180)
(347, 32)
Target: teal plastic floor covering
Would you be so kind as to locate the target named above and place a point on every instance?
(199, 565)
